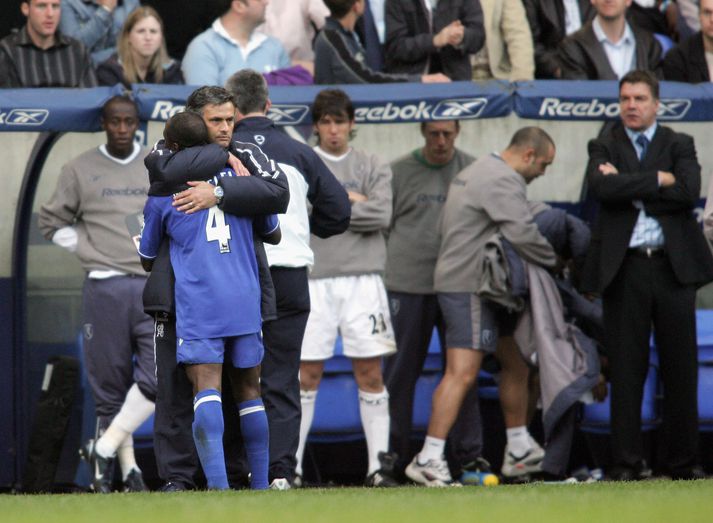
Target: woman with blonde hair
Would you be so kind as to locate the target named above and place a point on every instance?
(141, 53)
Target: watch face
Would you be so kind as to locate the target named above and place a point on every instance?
(218, 191)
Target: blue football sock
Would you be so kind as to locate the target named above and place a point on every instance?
(256, 435)
(208, 437)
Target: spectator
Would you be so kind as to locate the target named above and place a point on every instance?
(372, 32)
(486, 198)
(692, 60)
(346, 288)
(141, 54)
(508, 53)
(96, 23)
(294, 23)
(233, 43)
(550, 22)
(688, 22)
(655, 16)
(429, 36)
(608, 47)
(318, 205)
(420, 184)
(339, 56)
(647, 257)
(40, 56)
(99, 194)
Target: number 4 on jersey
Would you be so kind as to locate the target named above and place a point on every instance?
(216, 230)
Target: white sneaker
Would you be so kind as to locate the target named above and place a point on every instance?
(528, 463)
(280, 484)
(434, 473)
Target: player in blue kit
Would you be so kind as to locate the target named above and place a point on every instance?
(215, 322)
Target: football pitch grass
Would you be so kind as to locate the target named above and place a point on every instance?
(653, 501)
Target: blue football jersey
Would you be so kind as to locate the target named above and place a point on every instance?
(213, 257)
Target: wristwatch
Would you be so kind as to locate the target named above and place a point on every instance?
(218, 193)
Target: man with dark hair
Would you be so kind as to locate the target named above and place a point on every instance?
(310, 181)
(690, 61)
(487, 197)
(647, 257)
(433, 36)
(265, 191)
(98, 194)
(40, 56)
(608, 47)
(420, 184)
(185, 130)
(340, 57)
(233, 43)
(346, 287)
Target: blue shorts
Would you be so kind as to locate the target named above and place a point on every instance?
(244, 351)
(473, 323)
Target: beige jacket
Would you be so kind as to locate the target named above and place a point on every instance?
(293, 23)
(508, 40)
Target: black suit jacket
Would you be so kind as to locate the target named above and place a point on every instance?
(409, 39)
(583, 58)
(687, 62)
(672, 206)
(546, 19)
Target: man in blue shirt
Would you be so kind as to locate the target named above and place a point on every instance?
(231, 44)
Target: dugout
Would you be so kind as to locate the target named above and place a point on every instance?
(40, 284)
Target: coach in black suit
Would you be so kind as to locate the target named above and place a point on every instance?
(647, 258)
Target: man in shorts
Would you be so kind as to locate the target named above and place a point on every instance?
(487, 197)
(346, 287)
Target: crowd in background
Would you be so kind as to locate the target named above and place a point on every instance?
(352, 41)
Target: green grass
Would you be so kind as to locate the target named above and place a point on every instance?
(655, 501)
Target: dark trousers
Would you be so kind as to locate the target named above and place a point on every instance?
(279, 378)
(118, 346)
(176, 457)
(414, 316)
(645, 292)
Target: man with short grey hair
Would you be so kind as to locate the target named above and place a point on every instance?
(487, 197)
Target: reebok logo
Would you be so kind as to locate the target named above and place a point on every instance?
(461, 108)
(164, 109)
(669, 109)
(25, 117)
(288, 114)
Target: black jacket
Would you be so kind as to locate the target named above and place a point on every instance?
(110, 72)
(673, 206)
(265, 192)
(687, 62)
(582, 57)
(409, 39)
(546, 19)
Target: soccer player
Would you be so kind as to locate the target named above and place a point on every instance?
(346, 287)
(216, 323)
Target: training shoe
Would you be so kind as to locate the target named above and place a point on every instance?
(518, 466)
(297, 481)
(170, 486)
(102, 469)
(384, 477)
(134, 482)
(280, 484)
(433, 473)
